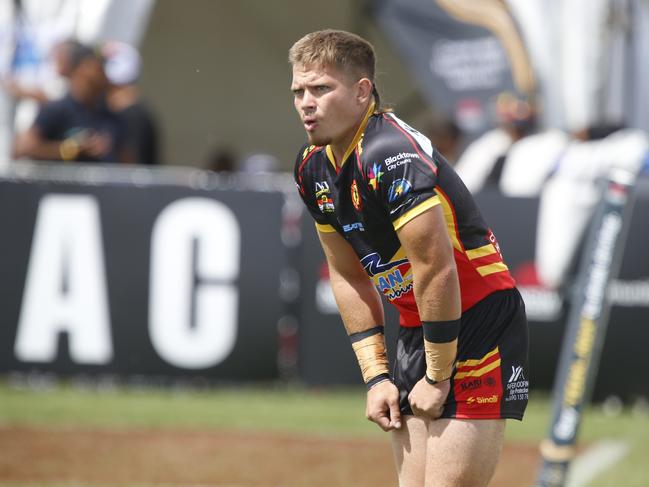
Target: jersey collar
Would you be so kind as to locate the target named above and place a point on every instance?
(357, 137)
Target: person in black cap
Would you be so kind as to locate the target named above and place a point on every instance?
(80, 126)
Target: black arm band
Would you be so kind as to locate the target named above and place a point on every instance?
(441, 331)
(377, 379)
(358, 336)
(431, 381)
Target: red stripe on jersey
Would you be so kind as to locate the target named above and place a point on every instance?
(359, 163)
(473, 286)
(487, 259)
(426, 159)
(316, 149)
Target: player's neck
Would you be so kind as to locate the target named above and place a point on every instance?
(343, 148)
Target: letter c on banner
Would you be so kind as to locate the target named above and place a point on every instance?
(193, 301)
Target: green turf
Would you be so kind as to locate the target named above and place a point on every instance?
(292, 410)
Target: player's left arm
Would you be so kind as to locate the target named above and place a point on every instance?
(437, 292)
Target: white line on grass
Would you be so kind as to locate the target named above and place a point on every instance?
(595, 460)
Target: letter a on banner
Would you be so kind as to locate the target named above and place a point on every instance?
(65, 289)
(193, 305)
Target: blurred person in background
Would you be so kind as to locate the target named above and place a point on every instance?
(390, 212)
(446, 136)
(573, 189)
(80, 126)
(482, 162)
(260, 163)
(122, 66)
(222, 159)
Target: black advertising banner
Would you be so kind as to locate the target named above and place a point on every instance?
(461, 53)
(156, 280)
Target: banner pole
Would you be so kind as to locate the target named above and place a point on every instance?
(586, 326)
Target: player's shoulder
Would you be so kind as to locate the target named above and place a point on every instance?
(388, 140)
(305, 155)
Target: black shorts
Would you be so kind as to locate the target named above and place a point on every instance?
(490, 380)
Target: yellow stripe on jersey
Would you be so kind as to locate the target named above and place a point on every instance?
(326, 228)
(474, 362)
(486, 270)
(450, 223)
(416, 211)
(481, 251)
(479, 372)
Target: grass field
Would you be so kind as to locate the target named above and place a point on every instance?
(304, 413)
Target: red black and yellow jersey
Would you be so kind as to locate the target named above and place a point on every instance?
(391, 173)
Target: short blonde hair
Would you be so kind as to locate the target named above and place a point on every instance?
(336, 48)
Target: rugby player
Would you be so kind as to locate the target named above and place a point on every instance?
(394, 219)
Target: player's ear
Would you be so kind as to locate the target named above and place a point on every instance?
(363, 90)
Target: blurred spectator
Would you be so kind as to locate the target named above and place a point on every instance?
(222, 160)
(122, 66)
(483, 161)
(569, 197)
(27, 77)
(80, 126)
(446, 137)
(260, 163)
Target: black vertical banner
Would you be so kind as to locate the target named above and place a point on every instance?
(586, 327)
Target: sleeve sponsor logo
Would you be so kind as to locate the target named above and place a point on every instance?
(375, 175)
(356, 197)
(398, 189)
(400, 159)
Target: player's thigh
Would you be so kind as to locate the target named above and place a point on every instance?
(463, 453)
(409, 448)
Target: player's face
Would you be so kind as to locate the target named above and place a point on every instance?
(327, 101)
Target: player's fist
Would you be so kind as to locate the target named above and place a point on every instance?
(427, 400)
(382, 406)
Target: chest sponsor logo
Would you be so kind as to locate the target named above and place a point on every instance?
(393, 278)
(375, 174)
(398, 189)
(356, 197)
(400, 159)
(323, 197)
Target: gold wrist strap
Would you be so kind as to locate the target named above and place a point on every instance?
(440, 358)
(369, 347)
(440, 345)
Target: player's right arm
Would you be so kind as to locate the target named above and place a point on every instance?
(361, 310)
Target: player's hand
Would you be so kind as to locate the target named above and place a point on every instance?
(383, 406)
(427, 400)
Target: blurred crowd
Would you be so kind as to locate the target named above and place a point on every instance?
(518, 158)
(88, 108)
